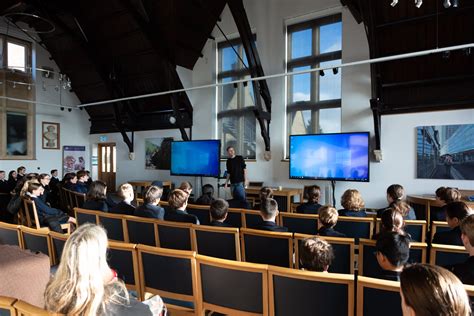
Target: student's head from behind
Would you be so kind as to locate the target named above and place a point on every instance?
(456, 212)
(269, 209)
(449, 195)
(153, 195)
(327, 216)
(186, 186)
(314, 194)
(178, 199)
(392, 221)
(97, 191)
(82, 176)
(440, 192)
(395, 192)
(392, 250)
(316, 254)
(428, 290)
(125, 192)
(467, 232)
(83, 281)
(218, 209)
(352, 200)
(266, 193)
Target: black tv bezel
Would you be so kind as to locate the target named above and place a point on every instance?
(330, 179)
(192, 174)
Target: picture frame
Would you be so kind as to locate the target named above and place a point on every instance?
(50, 135)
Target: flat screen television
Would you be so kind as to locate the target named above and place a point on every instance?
(196, 158)
(336, 157)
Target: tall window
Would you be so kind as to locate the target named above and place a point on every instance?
(314, 99)
(16, 118)
(236, 121)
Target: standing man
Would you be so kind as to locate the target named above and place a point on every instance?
(236, 173)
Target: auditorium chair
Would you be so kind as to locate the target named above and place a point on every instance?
(58, 241)
(218, 242)
(300, 223)
(232, 287)
(174, 235)
(416, 229)
(420, 206)
(259, 246)
(77, 199)
(10, 234)
(114, 224)
(6, 306)
(234, 217)
(343, 252)
(296, 292)
(37, 240)
(171, 274)
(201, 212)
(141, 230)
(86, 216)
(123, 258)
(443, 255)
(378, 297)
(25, 309)
(437, 227)
(355, 227)
(251, 218)
(32, 218)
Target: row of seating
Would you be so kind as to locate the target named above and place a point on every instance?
(12, 306)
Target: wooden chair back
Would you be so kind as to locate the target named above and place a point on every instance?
(438, 227)
(300, 223)
(57, 243)
(114, 224)
(416, 228)
(141, 230)
(77, 199)
(355, 227)
(201, 212)
(23, 308)
(6, 305)
(375, 295)
(218, 242)
(174, 235)
(37, 240)
(86, 216)
(251, 218)
(10, 234)
(443, 255)
(123, 258)
(32, 219)
(234, 217)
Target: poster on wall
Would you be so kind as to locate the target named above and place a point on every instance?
(51, 135)
(445, 152)
(158, 153)
(74, 158)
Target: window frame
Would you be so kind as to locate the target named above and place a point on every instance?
(241, 111)
(312, 61)
(9, 106)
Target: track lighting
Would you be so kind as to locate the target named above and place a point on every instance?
(29, 87)
(321, 73)
(455, 3)
(14, 85)
(446, 54)
(394, 3)
(62, 108)
(467, 51)
(335, 71)
(69, 110)
(418, 3)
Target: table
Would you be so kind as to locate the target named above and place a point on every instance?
(429, 200)
(142, 184)
(287, 193)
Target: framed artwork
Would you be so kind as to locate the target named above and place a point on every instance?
(445, 152)
(158, 153)
(74, 158)
(51, 135)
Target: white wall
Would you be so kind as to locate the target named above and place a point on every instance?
(74, 126)
(267, 18)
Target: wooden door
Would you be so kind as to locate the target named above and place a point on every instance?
(108, 164)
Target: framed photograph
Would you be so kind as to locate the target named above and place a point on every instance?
(158, 153)
(51, 135)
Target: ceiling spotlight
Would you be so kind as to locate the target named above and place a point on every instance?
(172, 119)
(418, 3)
(81, 108)
(321, 73)
(335, 71)
(446, 54)
(62, 108)
(44, 86)
(69, 109)
(245, 83)
(235, 86)
(29, 87)
(455, 3)
(447, 3)
(394, 3)
(47, 74)
(14, 85)
(467, 51)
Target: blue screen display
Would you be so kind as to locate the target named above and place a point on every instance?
(330, 156)
(196, 158)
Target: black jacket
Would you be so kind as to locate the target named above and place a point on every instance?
(330, 232)
(123, 208)
(96, 205)
(464, 271)
(451, 237)
(389, 275)
(150, 211)
(271, 226)
(219, 224)
(308, 208)
(180, 216)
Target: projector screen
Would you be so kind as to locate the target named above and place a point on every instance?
(196, 158)
(341, 157)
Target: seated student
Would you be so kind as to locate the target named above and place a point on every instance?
(395, 195)
(150, 207)
(20, 172)
(431, 290)
(327, 220)
(316, 254)
(84, 284)
(47, 216)
(238, 201)
(4, 197)
(465, 271)
(312, 206)
(391, 221)
(455, 213)
(96, 197)
(125, 192)
(218, 210)
(187, 187)
(393, 251)
(178, 201)
(269, 212)
(69, 181)
(353, 204)
(207, 195)
(446, 195)
(265, 193)
(81, 184)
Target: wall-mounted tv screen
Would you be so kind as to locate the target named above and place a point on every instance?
(338, 157)
(196, 158)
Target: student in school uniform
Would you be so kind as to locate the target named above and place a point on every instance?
(395, 198)
(312, 206)
(456, 212)
(96, 197)
(178, 201)
(125, 192)
(269, 212)
(151, 207)
(316, 254)
(465, 271)
(393, 251)
(353, 204)
(327, 220)
(445, 195)
(218, 210)
(81, 184)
